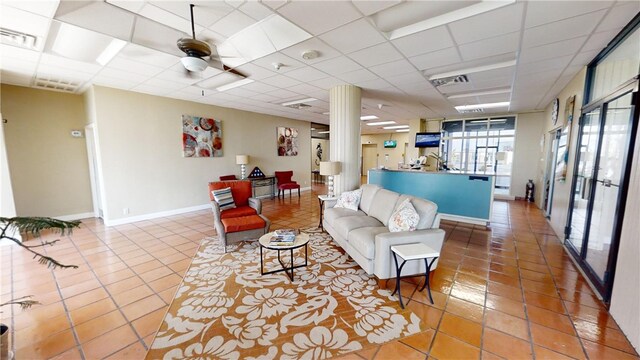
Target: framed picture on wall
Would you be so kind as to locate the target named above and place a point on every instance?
(287, 141)
(201, 137)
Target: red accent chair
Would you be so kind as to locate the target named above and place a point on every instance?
(285, 182)
(228, 177)
(244, 222)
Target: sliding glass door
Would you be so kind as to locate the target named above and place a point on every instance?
(599, 187)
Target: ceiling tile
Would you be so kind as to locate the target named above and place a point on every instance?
(165, 84)
(318, 17)
(178, 77)
(148, 56)
(18, 66)
(543, 12)
(288, 63)
(306, 74)
(354, 36)
(168, 18)
(12, 78)
(255, 72)
(280, 81)
(326, 84)
(59, 73)
(501, 21)
(375, 84)
(205, 13)
(620, 15)
(114, 82)
(393, 68)
(124, 75)
(151, 90)
(265, 97)
(584, 57)
(232, 23)
(425, 41)
(337, 65)
(376, 55)
(130, 5)
(282, 94)
(26, 22)
(259, 87)
(357, 76)
(436, 59)
(125, 64)
(8, 51)
(282, 33)
(45, 8)
(303, 89)
(256, 10)
(408, 78)
(275, 4)
(371, 7)
(561, 30)
(211, 37)
(490, 47)
(325, 51)
(549, 51)
(599, 41)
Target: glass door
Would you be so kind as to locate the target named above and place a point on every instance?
(599, 186)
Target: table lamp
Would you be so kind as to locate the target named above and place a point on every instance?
(330, 168)
(242, 160)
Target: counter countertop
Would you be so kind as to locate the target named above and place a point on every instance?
(450, 172)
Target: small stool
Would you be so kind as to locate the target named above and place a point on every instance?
(417, 251)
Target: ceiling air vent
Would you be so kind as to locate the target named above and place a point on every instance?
(16, 38)
(457, 79)
(299, 106)
(469, 111)
(57, 85)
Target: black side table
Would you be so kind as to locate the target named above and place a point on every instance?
(321, 200)
(417, 251)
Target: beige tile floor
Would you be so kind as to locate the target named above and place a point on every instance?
(509, 292)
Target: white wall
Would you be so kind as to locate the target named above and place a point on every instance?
(527, 151)
(625, 300)
(140, 140)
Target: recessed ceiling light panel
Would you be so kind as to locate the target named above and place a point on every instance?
(381, 123)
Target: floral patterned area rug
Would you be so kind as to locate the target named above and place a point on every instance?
(226, 309)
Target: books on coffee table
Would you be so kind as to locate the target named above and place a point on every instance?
(283, 237)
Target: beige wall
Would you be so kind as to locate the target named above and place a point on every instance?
(49, 168)
(141, 151)
(396, 154)
(562, 190)
(527, 152)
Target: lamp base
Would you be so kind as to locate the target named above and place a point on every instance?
(243, 171)
(330, 186)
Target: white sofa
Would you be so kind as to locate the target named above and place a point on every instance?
(364, 234)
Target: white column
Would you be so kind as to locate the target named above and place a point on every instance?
(345, 105)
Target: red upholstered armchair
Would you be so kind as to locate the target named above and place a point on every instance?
(228, 177)
(285, 182)
(244, 222)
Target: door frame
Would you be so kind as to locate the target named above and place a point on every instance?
(604, 287)
(550, 176)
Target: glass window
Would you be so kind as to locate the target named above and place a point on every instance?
(483, 146)
(617, 67)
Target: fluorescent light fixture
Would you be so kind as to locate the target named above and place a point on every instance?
(368, 117)
(234, 84)
(313, 129)
(111, 51)
(475, 69)
(381, 123)
(325, 113)
(402, 130)
(482, 106)
(396, 127)
(480, 93)
(299, 101)
(324, 132)
(447, 18)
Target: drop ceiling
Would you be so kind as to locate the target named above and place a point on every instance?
(390, 49)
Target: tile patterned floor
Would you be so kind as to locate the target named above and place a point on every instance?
(508, 292)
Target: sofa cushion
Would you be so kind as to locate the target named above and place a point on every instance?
(404, 218)
(237, 212)
(427, 211)
(344, 225)
(363, 240)
(349, 200)
(383, 205)
(332, 214)
(368, 192)
(243, 223)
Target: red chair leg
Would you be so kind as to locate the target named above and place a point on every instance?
(298, 192)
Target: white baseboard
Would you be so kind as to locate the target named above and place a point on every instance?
(75, 216)
(155, 215)
(464, 219)
(503, 197)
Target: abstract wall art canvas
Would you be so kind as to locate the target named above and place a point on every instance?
(201, 137)
(287, 139)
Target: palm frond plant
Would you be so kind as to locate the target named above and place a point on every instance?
(31, 226)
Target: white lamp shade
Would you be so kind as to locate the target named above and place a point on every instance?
(330, 167)
(242, 159)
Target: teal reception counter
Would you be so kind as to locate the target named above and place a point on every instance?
(459, 196)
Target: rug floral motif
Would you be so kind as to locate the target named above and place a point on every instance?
(226, 309)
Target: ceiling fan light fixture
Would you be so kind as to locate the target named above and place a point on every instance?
(194, 64)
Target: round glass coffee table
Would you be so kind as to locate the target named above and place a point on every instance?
(301, 240)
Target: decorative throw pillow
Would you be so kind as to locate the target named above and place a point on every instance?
(349, 200)
(224, 198)
(405, 218)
